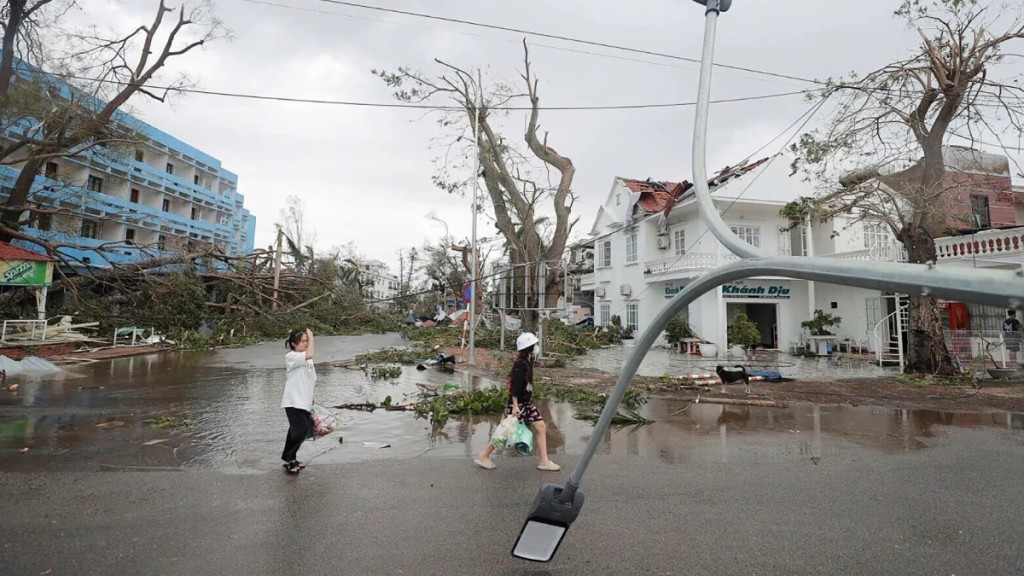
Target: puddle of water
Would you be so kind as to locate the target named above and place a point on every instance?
(662, 361)
(108, 415)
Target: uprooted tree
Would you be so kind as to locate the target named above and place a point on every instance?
(880, 158)
(515, 189)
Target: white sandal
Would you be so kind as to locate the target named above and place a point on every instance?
(487, 464)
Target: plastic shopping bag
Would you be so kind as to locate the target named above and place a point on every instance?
(323, 421)
(505, 430)
(522, 441)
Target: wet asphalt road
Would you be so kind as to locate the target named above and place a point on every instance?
(952, 508)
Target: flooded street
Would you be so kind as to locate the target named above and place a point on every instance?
(220, 411)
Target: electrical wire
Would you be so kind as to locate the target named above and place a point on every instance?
(491, 37)
(561, 37)
(426, 106)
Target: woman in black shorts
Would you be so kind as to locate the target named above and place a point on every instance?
(520, 405)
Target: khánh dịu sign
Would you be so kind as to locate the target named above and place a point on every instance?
(762, 291)
(25, 273)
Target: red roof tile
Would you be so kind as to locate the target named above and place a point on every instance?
(9, 252)
(656, 196)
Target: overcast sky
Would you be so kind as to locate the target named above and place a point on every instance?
(364, 173)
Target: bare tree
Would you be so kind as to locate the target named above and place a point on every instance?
(516, 191)
(75, 112)
(880, 158)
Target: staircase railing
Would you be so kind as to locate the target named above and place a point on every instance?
(889, 335)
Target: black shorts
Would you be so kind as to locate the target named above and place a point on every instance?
(528, 413)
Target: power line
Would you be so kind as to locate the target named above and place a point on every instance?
(414, 106)
(562, 38)
(470, 34)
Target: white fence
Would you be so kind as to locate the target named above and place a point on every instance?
(979, 344)
(35, 329)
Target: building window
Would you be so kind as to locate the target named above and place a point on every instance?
(194, 212)
(630, 247)
(679, 241)
(51, 170)
(129, 235)
(161, 242)
(605, 318)
(981, 217)
(618, 199)
(90, 229)
(94, 184)
(195, 179)
(786, 243)
(134, 196)
(632, 314)
(875, 234)
(165, 205)
(139, 156)
(44, 222)
(749, 234)
(606, 254)
(170, 168)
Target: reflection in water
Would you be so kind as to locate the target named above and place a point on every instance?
(128, 412)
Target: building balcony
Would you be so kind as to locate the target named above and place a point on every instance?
(997, 246)
(880, 252)
(588, 281)
(685, 265)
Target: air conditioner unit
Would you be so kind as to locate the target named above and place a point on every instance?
(600, 291)
(625, 289)
(664, 242)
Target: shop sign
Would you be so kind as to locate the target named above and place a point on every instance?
(25, 273)
(671, 289)
(756, 291)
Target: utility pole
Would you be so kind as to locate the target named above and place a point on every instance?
(476, 192)
(277, 268)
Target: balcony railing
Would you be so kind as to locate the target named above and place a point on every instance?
(990, 243)
(891, 251)
(587, 281)
(693, 261)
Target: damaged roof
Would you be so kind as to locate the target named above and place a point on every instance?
(10, 252)
(656, 196)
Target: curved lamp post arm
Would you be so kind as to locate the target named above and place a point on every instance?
(700, 131)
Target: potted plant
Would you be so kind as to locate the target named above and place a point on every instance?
(743, 332)
(818, 327)
(677, 330)
(999, 370)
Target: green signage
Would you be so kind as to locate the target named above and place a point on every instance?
(25, 273)
(773, 292)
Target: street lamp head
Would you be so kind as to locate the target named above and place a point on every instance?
(715, 5)
(553, 511)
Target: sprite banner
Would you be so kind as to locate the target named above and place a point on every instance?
(25, 273)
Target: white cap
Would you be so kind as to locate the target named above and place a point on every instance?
(525, 340)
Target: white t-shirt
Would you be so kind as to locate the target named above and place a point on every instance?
(299, 382)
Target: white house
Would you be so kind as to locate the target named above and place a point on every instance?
(380, 286)
(649, 241)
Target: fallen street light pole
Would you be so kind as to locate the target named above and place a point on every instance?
(555, 507)
(558, 506)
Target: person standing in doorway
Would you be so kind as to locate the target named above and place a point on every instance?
(298, 395)
(520, 404)
(1012, 327)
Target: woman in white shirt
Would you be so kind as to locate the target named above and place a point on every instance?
(298, 395)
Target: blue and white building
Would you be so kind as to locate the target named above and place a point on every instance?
(149, 199)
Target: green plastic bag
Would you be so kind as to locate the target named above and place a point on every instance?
(523, 439)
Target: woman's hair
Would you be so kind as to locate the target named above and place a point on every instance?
(293, 338)
(525, 352)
